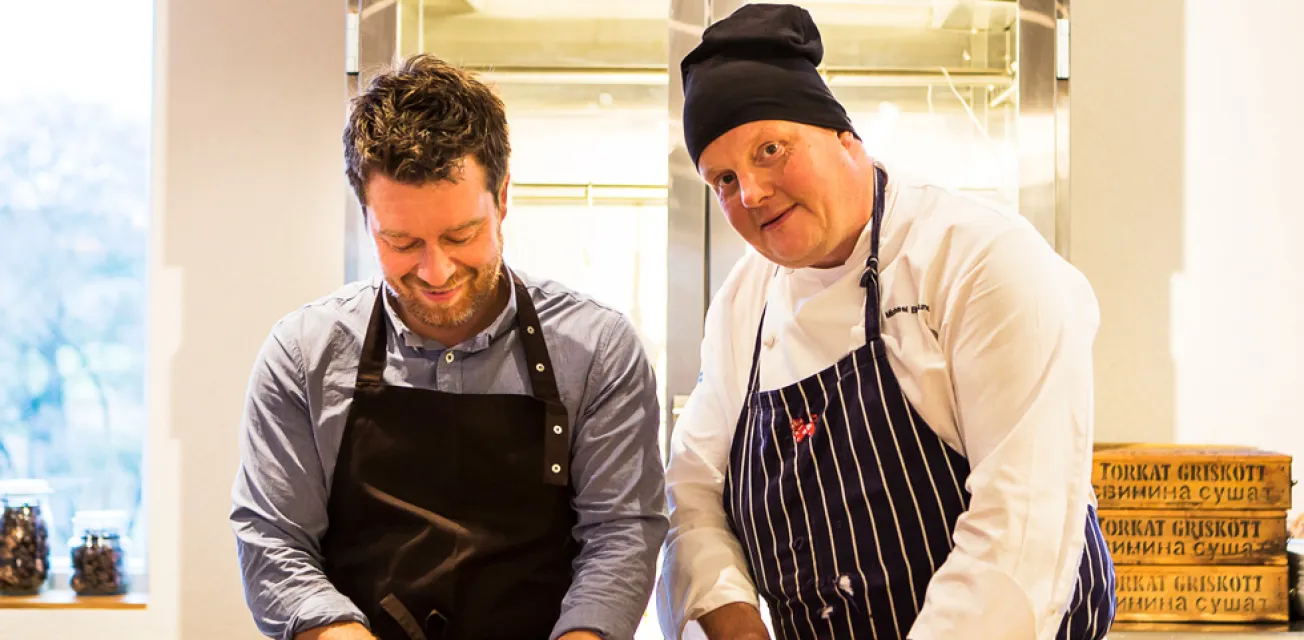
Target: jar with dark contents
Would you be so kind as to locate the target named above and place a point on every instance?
(24, 545)
(99, 557)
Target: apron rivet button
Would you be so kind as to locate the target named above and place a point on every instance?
(538, 367)
(529, 330)
(557, 429)
(556, 468)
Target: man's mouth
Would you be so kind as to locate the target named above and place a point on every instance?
(441, 295)
(783, 215)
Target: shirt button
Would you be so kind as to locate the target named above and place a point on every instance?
(769, 342)
(448, 357)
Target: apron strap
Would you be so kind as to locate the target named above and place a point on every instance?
(754, 375)
(543, 383)
(405, 619)
(869, 279)
(372, 363)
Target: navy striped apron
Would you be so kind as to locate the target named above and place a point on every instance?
(844, 499)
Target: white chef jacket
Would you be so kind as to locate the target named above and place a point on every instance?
(989, 333)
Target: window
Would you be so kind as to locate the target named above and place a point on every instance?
(74, 204)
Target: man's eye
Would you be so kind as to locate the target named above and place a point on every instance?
(405, 247)
(724, 180)
(770, 149)
(458, 240)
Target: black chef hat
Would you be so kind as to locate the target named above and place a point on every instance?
(757, 64)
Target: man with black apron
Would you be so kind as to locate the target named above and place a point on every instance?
(454, 451)
(892, 433)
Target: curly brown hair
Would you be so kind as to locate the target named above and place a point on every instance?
(416, 123)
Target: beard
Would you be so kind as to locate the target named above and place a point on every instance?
(479, 288)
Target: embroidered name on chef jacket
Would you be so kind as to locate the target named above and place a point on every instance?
(914, 308)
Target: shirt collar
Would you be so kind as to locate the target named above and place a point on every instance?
(501, 324)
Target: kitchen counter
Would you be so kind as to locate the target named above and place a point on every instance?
(1169, 631)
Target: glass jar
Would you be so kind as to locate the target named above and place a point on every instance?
(99, 553)
(24, 536)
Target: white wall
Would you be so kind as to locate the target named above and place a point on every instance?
(247, 224)
(1186, 144)
(1239, 343)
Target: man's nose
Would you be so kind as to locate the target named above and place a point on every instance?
(436, 267)
(753, 190)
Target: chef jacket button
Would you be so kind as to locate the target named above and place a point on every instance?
(769, 342)
(539, 367)
(448, 357)
(557, 429)
(556, 468)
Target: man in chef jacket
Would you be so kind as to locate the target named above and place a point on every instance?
(892, 433)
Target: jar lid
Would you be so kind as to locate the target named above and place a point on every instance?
(110, 519)
(25, 487)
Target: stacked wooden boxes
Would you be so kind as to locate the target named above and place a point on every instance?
(1197, 533)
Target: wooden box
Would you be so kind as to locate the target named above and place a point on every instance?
(1195, 537)
(1209, 593)
(1172, 477)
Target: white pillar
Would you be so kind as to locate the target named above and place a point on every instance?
(1126, 195)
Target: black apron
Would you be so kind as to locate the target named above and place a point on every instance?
(450, 514)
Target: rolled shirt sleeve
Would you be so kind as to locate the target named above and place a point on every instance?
(619, 499)
(279, 500)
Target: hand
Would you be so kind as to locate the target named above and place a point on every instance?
(736, 621)
(337, 631)
(580, 635)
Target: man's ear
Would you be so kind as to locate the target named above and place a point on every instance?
(848, 140)
(502, 196)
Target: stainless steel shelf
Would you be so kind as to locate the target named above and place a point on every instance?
(588, 194)
(659, 76)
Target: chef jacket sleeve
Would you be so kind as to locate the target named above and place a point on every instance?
(278, 502)
(1017, 329)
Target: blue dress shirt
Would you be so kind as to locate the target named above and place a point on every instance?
(299, 396)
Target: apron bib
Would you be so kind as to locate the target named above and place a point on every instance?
(450, 514)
